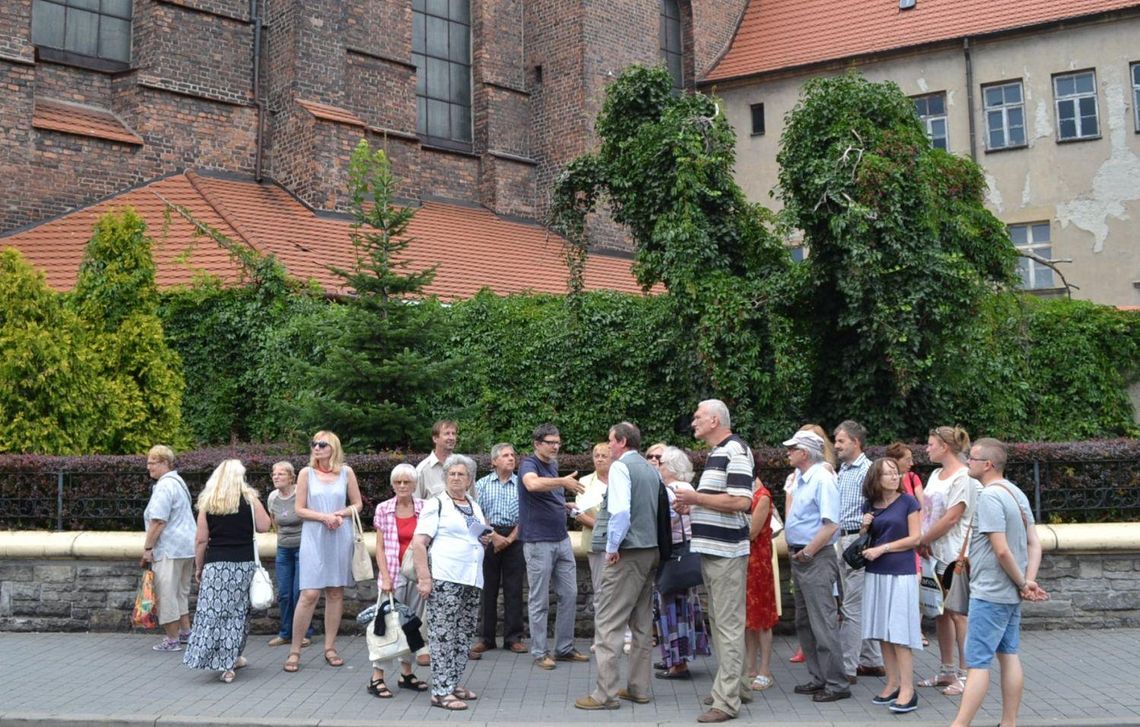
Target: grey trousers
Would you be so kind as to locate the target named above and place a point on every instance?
(856, 650)
(625, 598)
(816, 619)
(547, 563)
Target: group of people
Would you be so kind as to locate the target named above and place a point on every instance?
(447, 544)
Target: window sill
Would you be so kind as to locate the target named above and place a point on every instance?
(440, 145)
(67, 58)
(1007, 148)
(1078, 139)
(1052, 292)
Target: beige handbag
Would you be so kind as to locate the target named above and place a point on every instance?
(362, 569)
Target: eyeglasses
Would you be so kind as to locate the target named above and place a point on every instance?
(890, 475)
(318, 445)
(552, 442)
(655, 457)
(977, 459)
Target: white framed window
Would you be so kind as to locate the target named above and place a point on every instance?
(1077, 114)
(1033, 237)
(672, 51)
(441, 52)
(1005, 115)
(89, 28)
(931, 110)
(1135, 68)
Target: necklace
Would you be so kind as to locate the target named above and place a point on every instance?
(323, 470)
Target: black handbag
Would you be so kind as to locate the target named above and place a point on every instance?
(853, 553)
(680, 571)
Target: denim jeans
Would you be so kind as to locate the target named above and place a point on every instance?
(288, 589)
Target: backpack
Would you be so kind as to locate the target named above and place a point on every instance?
(664, 522)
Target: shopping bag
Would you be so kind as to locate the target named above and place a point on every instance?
(392, 643)
(930, 595)
(145, 614)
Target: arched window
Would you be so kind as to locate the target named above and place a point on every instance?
(441, 52)
(671, 50)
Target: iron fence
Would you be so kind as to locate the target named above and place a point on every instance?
(1085, 491)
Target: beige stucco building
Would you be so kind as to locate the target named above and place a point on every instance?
(1044, 99)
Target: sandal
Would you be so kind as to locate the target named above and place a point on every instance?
(241, 663)
(957, 688)
(377, 688)
(333, 660)
(465, 693)
(761, 682)
(227, 677)
(944, 678)
(292, 662)
(450, 702)
(410, 681)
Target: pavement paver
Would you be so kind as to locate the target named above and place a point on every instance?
(1078, 677)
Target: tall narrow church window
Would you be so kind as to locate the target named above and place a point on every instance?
(670, 41)
(89, 28)
(441, 52)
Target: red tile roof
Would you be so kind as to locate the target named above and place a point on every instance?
(472, 247)
(778, 34)
(73, 118)
(331, 113)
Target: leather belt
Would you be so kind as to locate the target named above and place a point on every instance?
(851, 532)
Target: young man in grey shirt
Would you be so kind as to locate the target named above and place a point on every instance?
(1004, 557)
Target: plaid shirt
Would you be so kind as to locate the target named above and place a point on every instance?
(499, 500)
(385, 524)
(851, 492)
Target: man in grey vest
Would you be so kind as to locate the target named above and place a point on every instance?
(626, 530)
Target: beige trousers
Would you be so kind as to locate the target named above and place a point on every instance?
(724, 582)
(625, 598)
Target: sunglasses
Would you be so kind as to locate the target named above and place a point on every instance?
(654, 457)
(318, 445)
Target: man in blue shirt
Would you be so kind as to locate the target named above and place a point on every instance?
(811, 530)
(546, 547)
(503, 562)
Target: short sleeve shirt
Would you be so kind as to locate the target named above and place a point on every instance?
(542, 515)
(998, 511)
(728, 470)
(891, 524)
(170, 502)
(941, 494)
(815, 500)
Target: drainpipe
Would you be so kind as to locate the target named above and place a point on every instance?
(970, 99)
(255, 13)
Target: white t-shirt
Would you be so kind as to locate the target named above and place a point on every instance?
(941, 495)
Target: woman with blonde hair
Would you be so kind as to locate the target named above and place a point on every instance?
(595, 485)
(282, 507)
(228, 512)
(327, 497)
(949, 495)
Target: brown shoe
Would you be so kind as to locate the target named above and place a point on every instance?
(518, 648)
(545, 662)
(474, 655)
(715, 715)
(637, 698)
(870, 671)
(480, 647)
(572, 655)
(852, 679)
(591, 704)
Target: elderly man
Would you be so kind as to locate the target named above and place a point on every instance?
(860, 657)
(168, 548)
(546, 547)
(626, 530)
(503, 562)
(429, 472)
(811, 530)
(1004, 557)
(719, 513)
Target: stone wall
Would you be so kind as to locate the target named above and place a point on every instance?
(1089, 590)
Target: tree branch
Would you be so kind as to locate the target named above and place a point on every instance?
(1052, 265)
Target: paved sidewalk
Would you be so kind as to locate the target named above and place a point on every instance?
(68, 680)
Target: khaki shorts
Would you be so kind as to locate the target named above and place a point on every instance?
(172, 587)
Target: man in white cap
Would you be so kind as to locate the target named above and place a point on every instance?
(811, 530)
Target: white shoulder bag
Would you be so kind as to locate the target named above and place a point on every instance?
(261, 595)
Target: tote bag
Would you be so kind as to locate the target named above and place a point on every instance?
(930, 595)
(361, 561)
(393, 644)
(261, 595)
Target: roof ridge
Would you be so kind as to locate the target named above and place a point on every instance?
(220, 207)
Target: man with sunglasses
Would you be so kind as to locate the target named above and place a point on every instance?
(546, 547)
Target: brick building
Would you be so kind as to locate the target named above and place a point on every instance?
(478, 102)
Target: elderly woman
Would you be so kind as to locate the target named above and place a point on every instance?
(228, 513)
(327, 496)
(681, 631)
(453, 528)
(595, 484)
(395, 524)
(169, 546)
(282, 507)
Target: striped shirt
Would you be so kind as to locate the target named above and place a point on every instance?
(728, 470)
(499, 500)
(850, 480)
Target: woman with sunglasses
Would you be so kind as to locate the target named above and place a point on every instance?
(327, 496)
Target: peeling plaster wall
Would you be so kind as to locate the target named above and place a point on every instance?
(1089, 190)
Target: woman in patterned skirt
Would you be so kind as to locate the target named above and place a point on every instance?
(453, 528)
(681, 631)
(228, 511)
(760, 613)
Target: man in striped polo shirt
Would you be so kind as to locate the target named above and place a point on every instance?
(719, 512)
